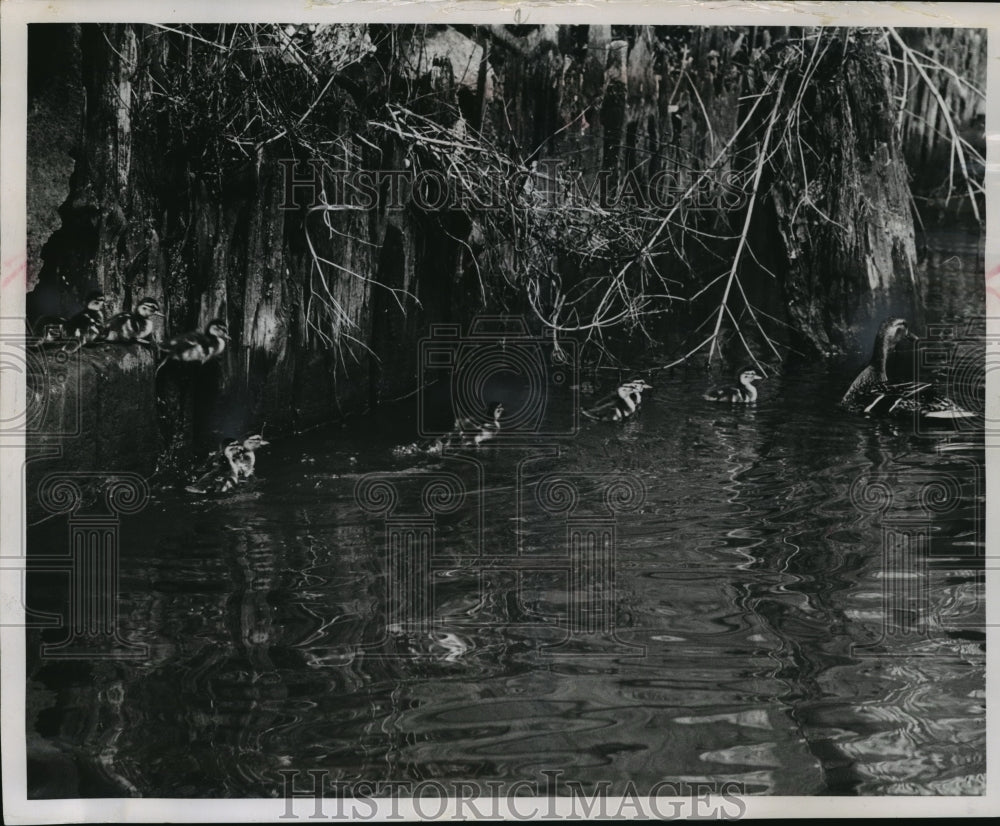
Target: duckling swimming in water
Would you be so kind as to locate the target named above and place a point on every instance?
(872, 394)
(218, 473)
(620, 404)
(231, 465)
(196, 346)
(137, 325)
(468, 431)
(743, 392)
(244, 458)
(475, 431)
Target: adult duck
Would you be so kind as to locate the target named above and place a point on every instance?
(873, 394)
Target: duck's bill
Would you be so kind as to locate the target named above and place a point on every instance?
(911, 336)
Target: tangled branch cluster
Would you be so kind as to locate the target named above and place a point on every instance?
(585, 263)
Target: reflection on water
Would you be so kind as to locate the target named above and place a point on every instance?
(768, 617)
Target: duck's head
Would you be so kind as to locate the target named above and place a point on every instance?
(749, 375)
(95, 300)
(894, 330)
(148, 307)
(638, 385)
(496, 410)
(231, 446)
(255, 441)
(217, 327)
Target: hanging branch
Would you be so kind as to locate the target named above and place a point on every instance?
(620, 265)
(956, 141)
(762, 157)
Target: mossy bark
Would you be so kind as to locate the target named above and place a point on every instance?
(842, 207)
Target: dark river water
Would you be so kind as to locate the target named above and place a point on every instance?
(782, 596)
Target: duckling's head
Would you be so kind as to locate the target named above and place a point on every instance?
(749, 375)
(217, 327)
(95, 300)
(148, 307)
(254, 442)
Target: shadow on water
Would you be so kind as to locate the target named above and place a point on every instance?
(794, 603)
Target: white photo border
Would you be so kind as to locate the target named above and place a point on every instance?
(15, 15)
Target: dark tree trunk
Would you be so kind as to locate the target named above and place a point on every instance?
(842, 204)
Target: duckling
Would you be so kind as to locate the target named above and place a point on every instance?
(232, 464)
(243, 459)
(468, 431)
(743, 392)
(196, 346)
(872, 394)
(620, 404)
(87, 325)
(219, 472)
(137, 325)
(474, 431)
